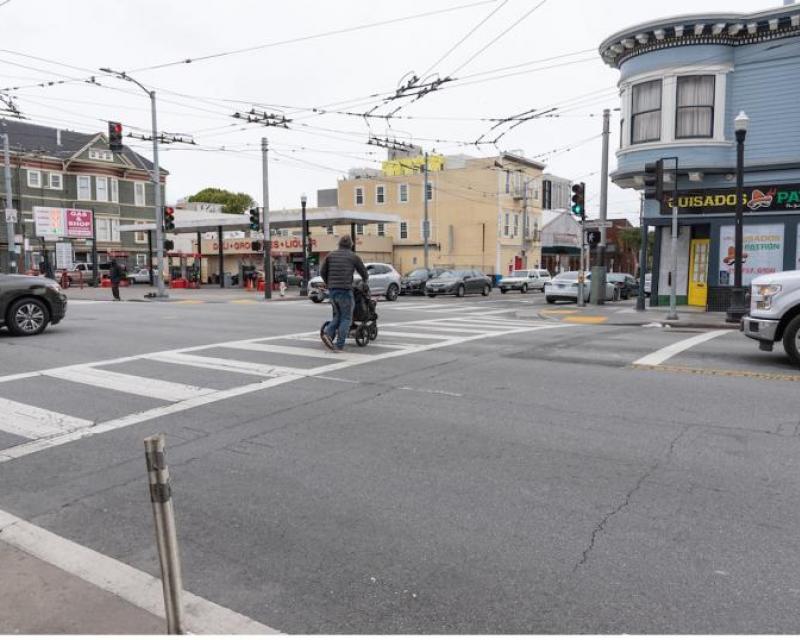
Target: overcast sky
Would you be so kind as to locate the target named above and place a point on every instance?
(70, 39)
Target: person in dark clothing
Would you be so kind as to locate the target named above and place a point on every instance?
(337, 272)
(115, 275)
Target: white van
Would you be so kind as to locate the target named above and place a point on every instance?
(525, 280)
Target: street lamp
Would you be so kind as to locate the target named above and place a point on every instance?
(304, 285)
(737, 307)
(156, 178)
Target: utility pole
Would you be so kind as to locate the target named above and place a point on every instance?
(159, 205)
(12, 247)
(640, 302)
(265, 221)
(425, 223)
(599, 271)
(524, 239)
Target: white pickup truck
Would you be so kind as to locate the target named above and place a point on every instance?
(775, 313)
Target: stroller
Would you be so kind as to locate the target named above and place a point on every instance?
(365, 319)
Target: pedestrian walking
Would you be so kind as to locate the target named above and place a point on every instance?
(115, 274)
(337, 272)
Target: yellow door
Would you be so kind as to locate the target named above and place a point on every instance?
(698, 273)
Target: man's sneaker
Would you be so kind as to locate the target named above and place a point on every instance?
(326, 340)
(338, 349)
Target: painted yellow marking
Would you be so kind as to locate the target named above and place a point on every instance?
(191, 301)
(243, 301)
(585, 319)
(724, 373)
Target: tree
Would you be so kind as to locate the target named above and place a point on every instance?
(231, 202)
(630, 242)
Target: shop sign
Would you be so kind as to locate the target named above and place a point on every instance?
(784, 198)
(245, 245)
(762, 251)
(78, 223)
(54, 222)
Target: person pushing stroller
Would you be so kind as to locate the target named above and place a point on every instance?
(337, 272)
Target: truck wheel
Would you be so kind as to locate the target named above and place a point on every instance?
(791, 340)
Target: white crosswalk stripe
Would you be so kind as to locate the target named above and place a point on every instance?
(44, 428)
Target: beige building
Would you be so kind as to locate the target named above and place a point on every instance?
(483, 213)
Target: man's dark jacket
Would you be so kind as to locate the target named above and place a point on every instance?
(338, 268)
(116, 273)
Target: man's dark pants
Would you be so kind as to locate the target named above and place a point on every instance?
(342, 303)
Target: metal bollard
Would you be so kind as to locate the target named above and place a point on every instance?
(166, 536)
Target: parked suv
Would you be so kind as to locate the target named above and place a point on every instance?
(384, 280)
(775, 313)
(525, 280)
(29, 303)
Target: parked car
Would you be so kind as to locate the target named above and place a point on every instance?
(82, 272)
(628, 285)
(413, 283)
(29, 303)
(648, 284)
(384, 280)
(525, 280)
(775, 313)
(140, 276)
(565, 287)
(459, 282)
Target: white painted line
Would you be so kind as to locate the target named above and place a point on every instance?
(448, 327)
(408, 334)
(131, 585)
(34, 422)
(321, 352)
(224, 364)
(662, 355)
(47, 442)
(134, 385)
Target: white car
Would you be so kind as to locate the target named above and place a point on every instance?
(525, 280)
(140, 276)
(565, 287)
(384, 280)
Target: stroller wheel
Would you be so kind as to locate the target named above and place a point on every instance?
(323, 327)
(362, 336)
(373, 331)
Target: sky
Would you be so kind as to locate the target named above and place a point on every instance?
(503, 57)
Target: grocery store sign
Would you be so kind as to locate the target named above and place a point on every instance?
(783, 198)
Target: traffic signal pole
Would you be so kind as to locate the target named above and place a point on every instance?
(599, 271)
(265, 221)
(158, 204)
(12, 246)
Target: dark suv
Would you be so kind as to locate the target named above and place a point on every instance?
(29, 303)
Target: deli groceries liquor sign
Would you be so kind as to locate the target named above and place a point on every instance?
(780, 198)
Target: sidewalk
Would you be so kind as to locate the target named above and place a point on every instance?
(38, 598)
(623, 313)
(207, 294)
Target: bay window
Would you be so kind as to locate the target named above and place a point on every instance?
(646, 112)
(694, 116)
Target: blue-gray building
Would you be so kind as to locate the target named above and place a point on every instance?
(683, 80)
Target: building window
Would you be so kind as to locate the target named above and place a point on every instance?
(329, 229)
(380, 194)
(140, 237)
(101, 188)
(516, 224)
(56, 181)
(381, 229)
(403, 193)
(114, 190)
(114, 229)
(138, 194)
(359, 196)
(429, 191)
(359, 229)
(34, 179)
(506, 227)
(84, 187)
(404, 231)
(141, 259)
(646, 112)
(103, 230)
(99, 154)
(694, 117)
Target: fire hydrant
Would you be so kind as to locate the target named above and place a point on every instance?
(282, 288)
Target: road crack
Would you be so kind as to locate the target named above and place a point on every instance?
(601, 525)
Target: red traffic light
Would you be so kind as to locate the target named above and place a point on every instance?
(116, 127)
(169, 211)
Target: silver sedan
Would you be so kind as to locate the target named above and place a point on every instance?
(565, 287)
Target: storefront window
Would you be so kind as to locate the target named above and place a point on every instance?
(695, 111)
(646, 112)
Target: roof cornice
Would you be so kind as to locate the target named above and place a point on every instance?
(729, 29)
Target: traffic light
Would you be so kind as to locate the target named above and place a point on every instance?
(579, 200)
(169, 219)
(255, 220)
(654, 181)
(593, 238)
(255, 246)
(169, 245)
(115, 136)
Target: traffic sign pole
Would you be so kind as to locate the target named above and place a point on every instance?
(12, 260)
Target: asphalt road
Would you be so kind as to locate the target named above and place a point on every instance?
(477, 469)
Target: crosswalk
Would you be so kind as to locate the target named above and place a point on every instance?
(265, 362)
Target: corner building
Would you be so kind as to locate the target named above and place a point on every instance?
(683, 80)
